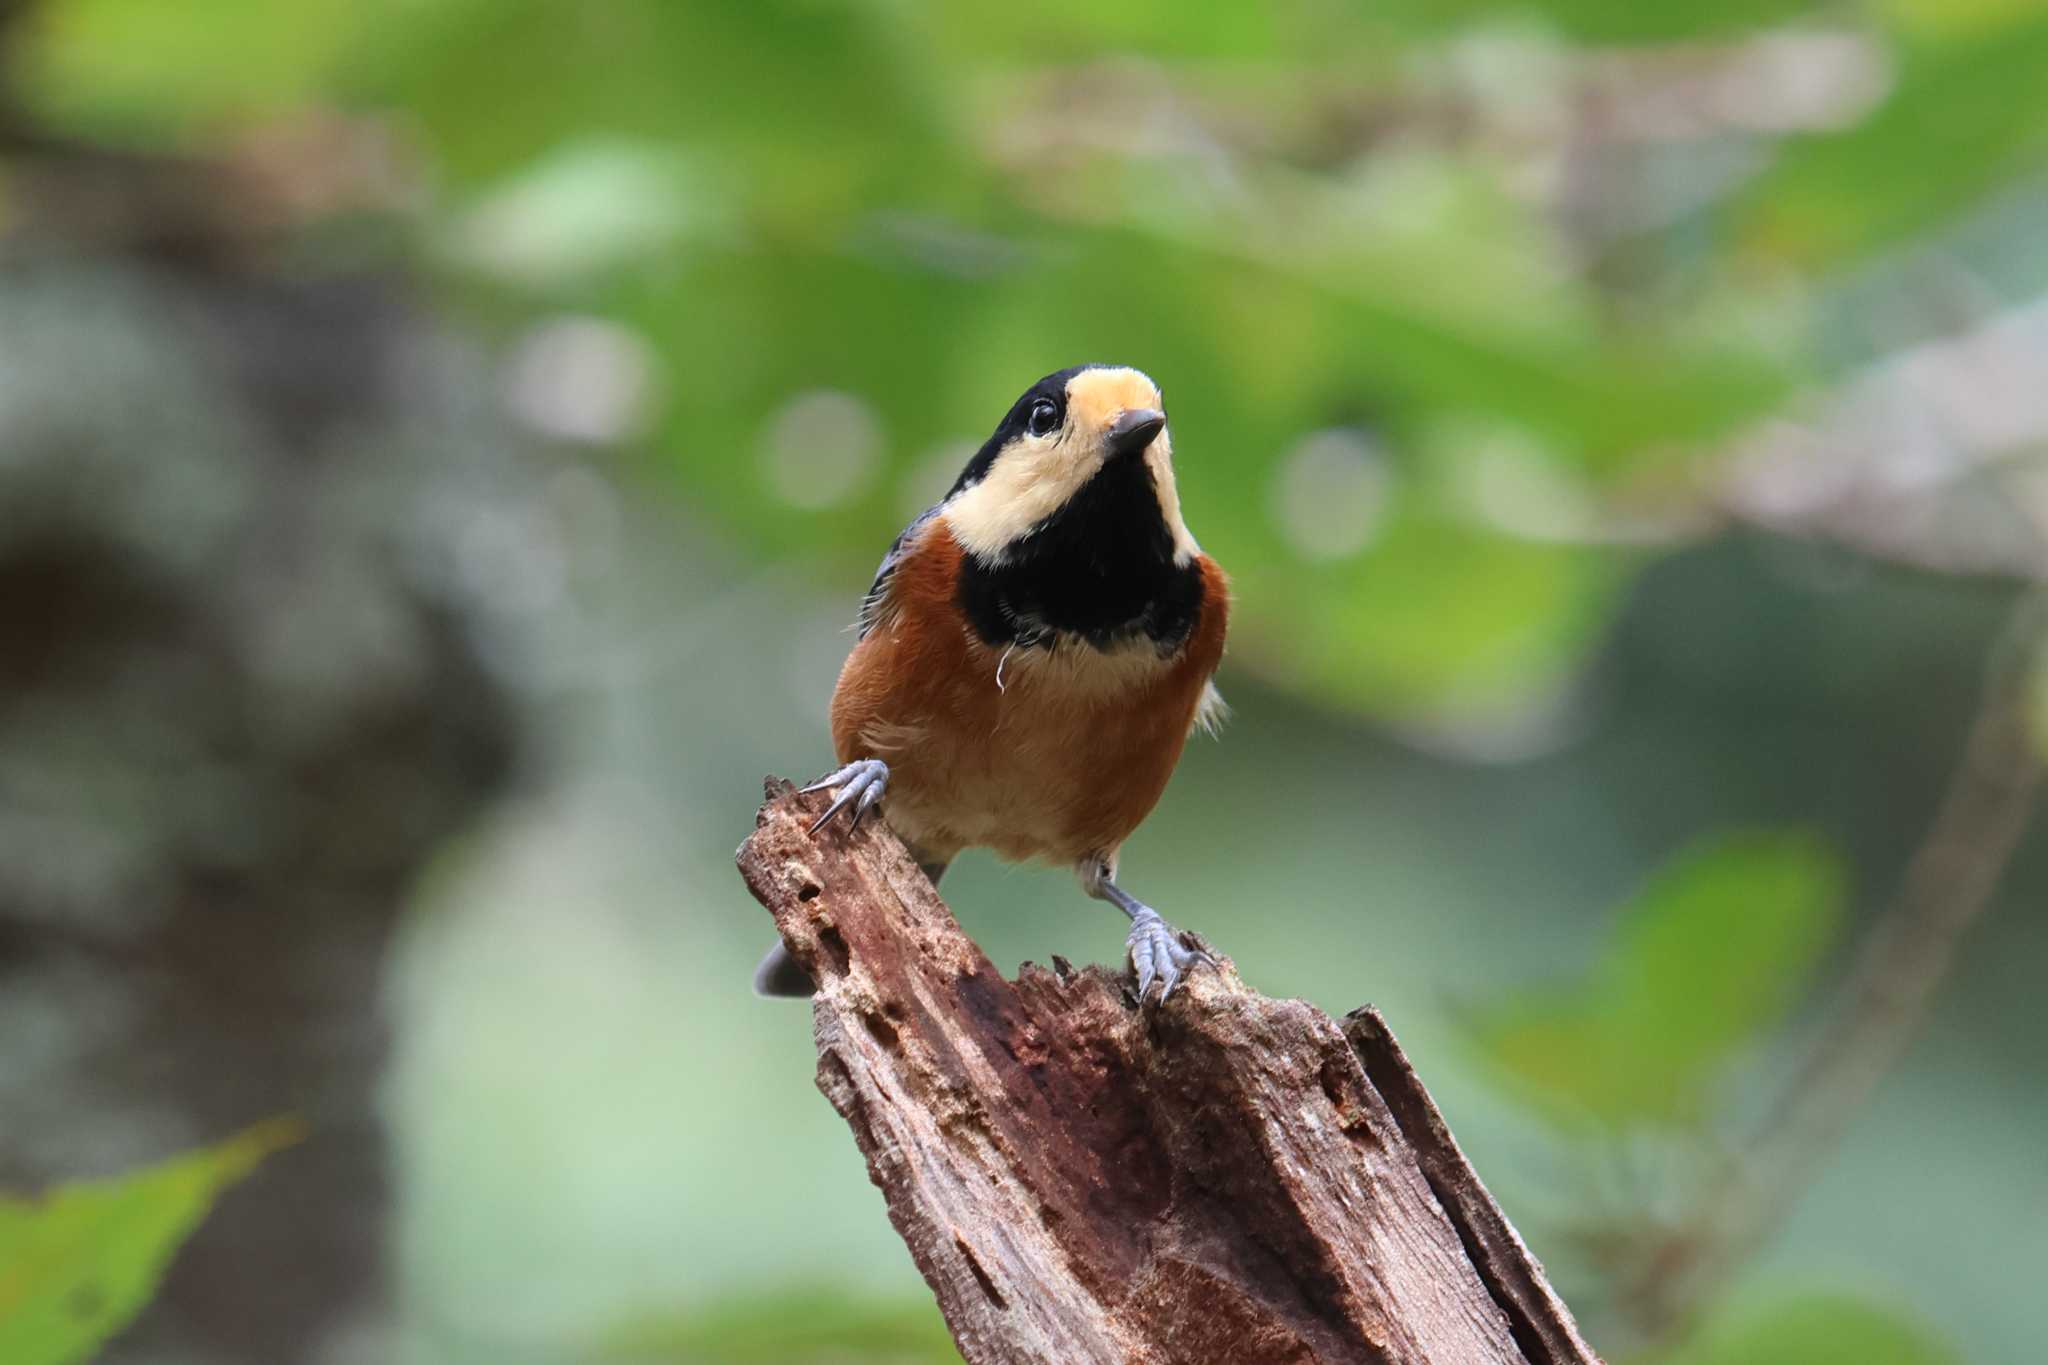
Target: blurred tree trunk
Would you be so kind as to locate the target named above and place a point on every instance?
(243, 698)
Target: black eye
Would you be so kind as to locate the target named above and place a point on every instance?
(1045, 415)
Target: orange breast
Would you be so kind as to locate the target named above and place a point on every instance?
(1037, 753)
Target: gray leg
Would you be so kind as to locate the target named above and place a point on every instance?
(859, 784)
(1154, 946)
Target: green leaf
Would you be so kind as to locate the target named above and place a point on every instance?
(77, 1265)
(141, 71)
(1709, 957)
(582, 210)
(793, 1327)
(1438, 624)
(1813, 1329)
(1966, 120)
(1077, 30)
(2034, 705)
(1615, 21)
(816, 108)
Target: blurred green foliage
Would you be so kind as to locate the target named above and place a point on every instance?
(1965, 121)
(2037, 707)
(1813, 1329)
(1301, 220)
(910, 209)
(78, 1264)
(823, 1324)
(1706, 960)
(800, 1323)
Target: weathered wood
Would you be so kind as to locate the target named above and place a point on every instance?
(1542, 1325)
(1216, 1180)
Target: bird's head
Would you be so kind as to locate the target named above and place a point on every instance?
(1082, 460)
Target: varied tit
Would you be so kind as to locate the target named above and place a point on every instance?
(1034, 653)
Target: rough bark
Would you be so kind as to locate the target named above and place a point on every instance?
(1225, 1178)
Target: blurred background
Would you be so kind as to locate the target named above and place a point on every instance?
(443, 444)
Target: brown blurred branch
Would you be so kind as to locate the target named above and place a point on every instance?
(1224, 1178)
(1930, 458)
(1948, 885)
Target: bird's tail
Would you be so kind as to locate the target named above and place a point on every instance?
(778, 976)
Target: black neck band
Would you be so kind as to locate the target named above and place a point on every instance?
(1100, 569)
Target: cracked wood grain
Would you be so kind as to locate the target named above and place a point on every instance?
(1220, 1180)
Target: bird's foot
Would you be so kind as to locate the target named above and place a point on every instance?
(1157, 954)
(859, 784)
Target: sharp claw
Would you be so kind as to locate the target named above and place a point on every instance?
(869, 795)
(839, 803)
(1159, 956)
(831, 779)
(861, 781)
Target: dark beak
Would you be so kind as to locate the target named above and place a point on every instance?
(1133, 430)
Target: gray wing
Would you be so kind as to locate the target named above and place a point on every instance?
(871, 605)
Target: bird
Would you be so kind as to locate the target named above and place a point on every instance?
(1033, 655)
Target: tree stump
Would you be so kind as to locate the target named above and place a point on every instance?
(1226, 1179)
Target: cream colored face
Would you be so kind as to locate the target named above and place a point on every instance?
(1034, 476)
